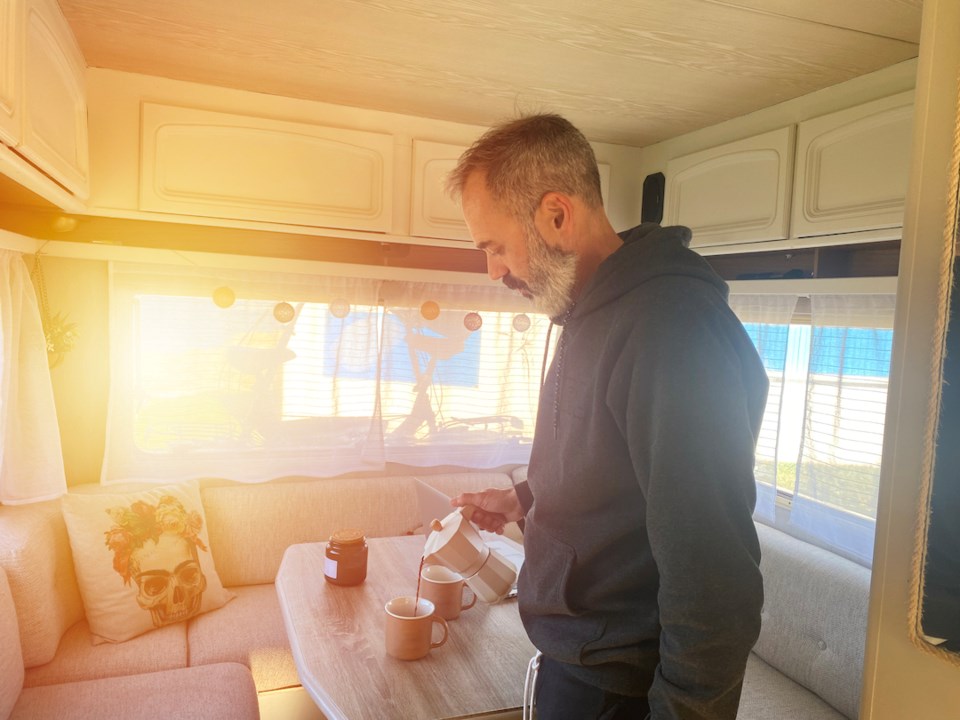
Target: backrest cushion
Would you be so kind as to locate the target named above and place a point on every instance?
(11, 660)
(142, 558)
(814, 620)
(252, 525)
(35, 553)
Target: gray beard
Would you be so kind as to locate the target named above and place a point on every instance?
(553, 274)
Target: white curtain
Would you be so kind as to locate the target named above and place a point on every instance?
(209, 379)
(767, 320)
(31, 459)
(838, 470)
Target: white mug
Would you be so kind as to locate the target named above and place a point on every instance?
(445, 589)
(409, 632)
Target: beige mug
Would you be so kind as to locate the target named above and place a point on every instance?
(445, 589)
(409, 634)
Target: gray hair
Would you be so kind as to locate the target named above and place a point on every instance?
(526, 158)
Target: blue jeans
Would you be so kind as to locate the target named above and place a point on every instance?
(561, 696)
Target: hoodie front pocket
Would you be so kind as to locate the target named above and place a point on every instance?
(545, 589)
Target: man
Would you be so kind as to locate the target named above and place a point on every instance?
(641, 585)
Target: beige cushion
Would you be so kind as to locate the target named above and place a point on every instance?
(814, 619)
(11, 660)
(455, 483)
(79, 659)
(142, 559)
(251, 525)
(211, 692)
(35, 553)
(768, 694)
(248, 630)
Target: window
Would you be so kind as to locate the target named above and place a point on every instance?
(310, 375)
(822, 436)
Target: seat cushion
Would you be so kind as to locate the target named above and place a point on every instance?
(211, 692)
(814, 619)
(252, 525)
(79, 659)
(768, 694)
(248, 630)
(35, 553)
(11, 659)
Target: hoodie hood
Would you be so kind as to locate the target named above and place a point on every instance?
(648, 251)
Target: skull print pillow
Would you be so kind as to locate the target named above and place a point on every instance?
(142, 559)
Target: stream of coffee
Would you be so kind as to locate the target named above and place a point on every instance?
(416, 604)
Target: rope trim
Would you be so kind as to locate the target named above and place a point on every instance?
(931, 424)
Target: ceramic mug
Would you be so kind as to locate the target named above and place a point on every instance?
(445, 589)
(409, 634)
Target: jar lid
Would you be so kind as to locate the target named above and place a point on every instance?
(349, 536)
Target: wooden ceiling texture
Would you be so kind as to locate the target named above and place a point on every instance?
(632, 72)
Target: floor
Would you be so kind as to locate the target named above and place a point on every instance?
(288, 704)
(296, 704)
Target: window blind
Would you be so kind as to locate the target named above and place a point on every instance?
(824, 420)
(252, 376)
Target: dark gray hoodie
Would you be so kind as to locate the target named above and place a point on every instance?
(642, 560)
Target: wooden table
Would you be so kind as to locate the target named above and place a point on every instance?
(337, 637)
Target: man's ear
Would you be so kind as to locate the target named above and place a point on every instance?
(554, 220)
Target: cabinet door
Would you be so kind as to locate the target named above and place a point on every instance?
(10, 88)
(213, 164)
(433, 213)
(734, 193)
(54, 99)
(852, 168)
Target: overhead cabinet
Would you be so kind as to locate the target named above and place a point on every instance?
(735, 193)
(205, 163)
(43, 104)
(54, 98)
(433, 213)
(852, 168)
(10, 71)
(832, 176)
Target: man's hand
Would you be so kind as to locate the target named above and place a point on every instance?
(493, 507)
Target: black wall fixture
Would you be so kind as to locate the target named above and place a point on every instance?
(652, 208)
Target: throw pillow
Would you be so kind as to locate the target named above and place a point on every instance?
(142, 559)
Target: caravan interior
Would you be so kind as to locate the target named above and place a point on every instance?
(236, 301)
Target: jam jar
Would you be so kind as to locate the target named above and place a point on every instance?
(346, 558)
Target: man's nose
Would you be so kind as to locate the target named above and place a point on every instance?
(496, 269)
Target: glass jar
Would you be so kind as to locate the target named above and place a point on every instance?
(346, 558)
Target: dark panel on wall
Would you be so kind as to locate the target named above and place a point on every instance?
(881, 259)
(941, 591)
(652, 208)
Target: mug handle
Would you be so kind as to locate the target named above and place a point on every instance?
(437, 619)
(472, 602)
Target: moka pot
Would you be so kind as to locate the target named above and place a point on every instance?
(456, 544)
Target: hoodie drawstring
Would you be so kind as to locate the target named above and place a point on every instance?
(530, 685)
(546, 352)
(556, 383)
(561, 347)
